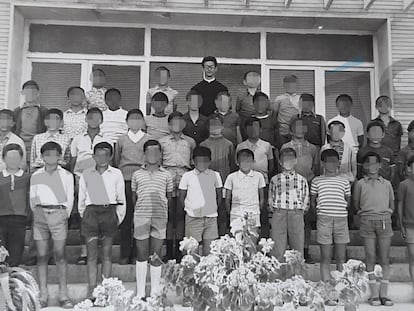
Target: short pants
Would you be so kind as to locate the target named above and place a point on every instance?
(332, 230)
(201, 228)
(144, 227)
(98, 221)
(372, 229)
(50, 223)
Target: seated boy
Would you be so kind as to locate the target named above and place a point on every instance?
(195, 122)
(157, 123)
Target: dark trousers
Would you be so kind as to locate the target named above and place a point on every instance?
(127, 227)
(12, 235)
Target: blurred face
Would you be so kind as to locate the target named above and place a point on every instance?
(176, 125)
(371, 165)
(194, 102)
(202, 163)
(223, 103)
(153, 155)
(76, 97)
(159, 106)
(336, 132)
(344, 106)
(30, 93)
(209, 69)
(51, 157)
(252, 80)
(216, 127)
(245, 163)
(299, 129)
(375, 134)
(53, 122)
(6, 123)
(253, 131)
(98, 79)
(135, 122)
(291, 87)
(162, 77)
(288, 161)
(12, 159)
(410, 168)
(113, 100)
(383, 106)
(261, 105)
(306, 106)
(93, 120)
(331, 164)
(102, 157)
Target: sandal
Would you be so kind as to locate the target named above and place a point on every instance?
(386, 302)
(65, 304)
(375, 302)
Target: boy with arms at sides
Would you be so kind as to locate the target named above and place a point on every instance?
(152, 188)
(129, 157)
(244, 103)
(162, 76)
(157, 123)
(177, 150)
(315, 123)
(245, 191)
(102, 208)
(74, 118)
(96, 96)
(195, 122)
(201, 195)
(374, 200)
(51, 200)
(114, 124)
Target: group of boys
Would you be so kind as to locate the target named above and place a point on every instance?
(168, 175)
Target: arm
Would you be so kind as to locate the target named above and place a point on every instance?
(361, 141)
(117, 153)
(33, 155)
(348, 200)
(261, 199)
(305, 193)
(73, 154)
(392, 198)
(70, 193)
(315, 162)
(219, 196)
(238, 104)
(238, 135)
(148, 103)
(270, 161)
(82, 196)
(276, 106)
(181, 196)
(271, 196)
(33, 193)
(228, 200)
(357, 196)
(313, 202)
(323, 130)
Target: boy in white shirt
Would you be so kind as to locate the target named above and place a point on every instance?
(114, 124)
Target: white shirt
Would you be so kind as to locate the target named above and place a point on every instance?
(52, 189)
(135, 137)
(100, 189)
(353, 129)
(114, 123)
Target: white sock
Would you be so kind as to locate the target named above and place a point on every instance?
(141, 276)
(155, 279)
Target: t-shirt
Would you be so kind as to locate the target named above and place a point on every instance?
(387, 160)
(406, 197)
(209, 91)
(353, 129)
(114, 123)
(157, 127)
(331, 193)
(286, 106)
(201, 188)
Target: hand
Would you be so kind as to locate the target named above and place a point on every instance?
(403, 232)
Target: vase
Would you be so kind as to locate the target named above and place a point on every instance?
(350, 307)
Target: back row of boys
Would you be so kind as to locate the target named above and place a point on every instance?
(300, 135)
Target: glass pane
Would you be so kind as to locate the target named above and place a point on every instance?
(355, 84)
(88, 40)
(306, 81)
(185, 75)
(54, 80)
(201, 43)
(126, 79)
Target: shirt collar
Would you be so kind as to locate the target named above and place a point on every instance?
(144, 167)
(52, 135)
(25, 105)
(250, 174)
(222, 115)
(209, 80)
(261, 117)
(70, 111)
(391, 119)
(19, 173)
(181, 136)
(291, 173)
(135, 137)
(8, 136)
(310, 113)
(109, 169)
(99, 134)
(43, 169)
(197, 172)
(379, 178)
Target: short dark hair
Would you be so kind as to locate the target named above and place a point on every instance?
(329, 153)
(381, 99)
(50, 146)
(31, 83)
(54, 111)
(159, 96)
(294, 121)
(134, 111)
(209, 59)
(175, 114)
(369, 155)
(245, 152)
(410, 126)
(95, 110)
(335, 122)
(222, 93)
(257, 95)
(163, 68)
(290, 78)
(74, 88)
(12, 147)
(7, 112)
(192, 93)
(410, 160)
(201, 152)
(286, 151)
(103, 145)
(343, 97)
(152, 142)
(250, 121)
(375, 123)
(306, 97)
(114, 90)
(249, 72)
(99, 70)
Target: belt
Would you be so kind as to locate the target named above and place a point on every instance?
(51, 206)
(103, 205)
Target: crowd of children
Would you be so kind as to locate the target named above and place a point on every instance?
(168, 175)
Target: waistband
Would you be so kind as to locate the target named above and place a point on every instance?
(51, 206)
(102, 205)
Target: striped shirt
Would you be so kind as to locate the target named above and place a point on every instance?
(289, 191)
(331, 195)
(151, 189)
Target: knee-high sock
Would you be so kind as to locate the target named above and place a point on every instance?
(374, 287)
(384, 288)
(141, 276)
(155, 279)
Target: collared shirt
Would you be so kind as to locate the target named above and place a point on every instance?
(157, 127)
(201, 199)
(306, 156)
(374, 196)
(135, 137)
(393, 133)
(168, 91)
(316, 126)
(177, 152)
(39, 140)
(197, 130)
(101, 189)
(96, 98)
(347, 159)
(245, 192)
(114, 123)
(6, 173)
(30, 116)
(387, 160)
(74, 123)
(231, 122)
(353, 129)
(151, 189)
(14, 189)
(82, 149)
(289, 191)
(244, 105)
(52, 189)
(12, 138)
(263, 153)
(286, 106)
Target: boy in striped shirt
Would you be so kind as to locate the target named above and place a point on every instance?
(330, 196)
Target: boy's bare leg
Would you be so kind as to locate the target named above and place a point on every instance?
(325, 267)
(370, 259)
(42, 247)
(92, 265)
(59, 253)
(340, 255)
(384, 245)
(411, 260)
(107, 256)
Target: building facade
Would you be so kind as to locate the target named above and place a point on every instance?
(361, 47)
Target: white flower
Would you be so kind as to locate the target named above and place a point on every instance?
(188, 261)
(84, 305)
(3, 254)
(266, 244)
(237, 225)
(188, 244)
(378, 271)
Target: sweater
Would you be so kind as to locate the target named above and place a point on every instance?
(14, 200)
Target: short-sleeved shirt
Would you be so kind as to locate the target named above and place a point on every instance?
(387, 159)
(114, 123)
(151, 189)
(263, 153)
(197, 130)
(168, 91)
(393, 133)
(177, 152)
(208, 91)
(331, 193)
(201, 188)
(288, 108)
(307, 157)
(74, 123)
(245, 192)
(315, 125)
(230, 123)
(96, 98)
(30, 116)
(347, 159)
(157, 127)
(244, 105)
(406, 197)
(353, 129)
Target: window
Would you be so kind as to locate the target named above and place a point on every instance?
(306, 81)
